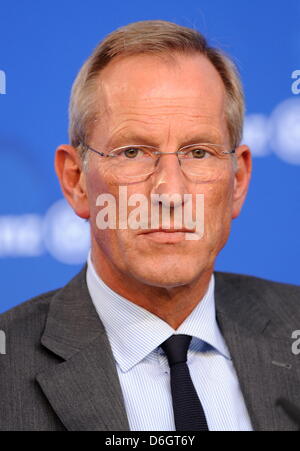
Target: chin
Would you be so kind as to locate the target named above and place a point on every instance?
(164, 282)
(166, 274)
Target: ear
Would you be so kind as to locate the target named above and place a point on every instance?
(68, 167)
(241, 179)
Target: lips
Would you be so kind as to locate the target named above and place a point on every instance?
(165, 236)
(162, 230)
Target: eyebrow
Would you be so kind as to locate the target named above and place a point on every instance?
(134, 138)
(130, 139)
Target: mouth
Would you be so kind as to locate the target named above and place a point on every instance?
(166, 236)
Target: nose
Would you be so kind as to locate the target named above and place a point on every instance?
(168, 179)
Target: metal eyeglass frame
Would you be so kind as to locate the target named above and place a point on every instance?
(157, 152)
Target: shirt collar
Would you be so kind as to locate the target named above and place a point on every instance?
(134, 332)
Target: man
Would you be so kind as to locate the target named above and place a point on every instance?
(148, 336)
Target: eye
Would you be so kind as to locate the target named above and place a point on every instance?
(198, 153)
(134, 153)
(131, 152)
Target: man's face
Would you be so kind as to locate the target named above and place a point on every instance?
(145, 100)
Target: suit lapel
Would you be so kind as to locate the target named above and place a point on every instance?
(261, 352)
(84, 389)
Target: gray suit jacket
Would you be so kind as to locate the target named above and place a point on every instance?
(59, 372)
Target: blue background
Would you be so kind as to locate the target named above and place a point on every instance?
(42, 46)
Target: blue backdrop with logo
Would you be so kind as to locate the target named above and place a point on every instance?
(42, 46)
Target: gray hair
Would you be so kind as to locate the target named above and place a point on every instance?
(155, 37)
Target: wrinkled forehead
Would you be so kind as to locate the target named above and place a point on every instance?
(150, 92)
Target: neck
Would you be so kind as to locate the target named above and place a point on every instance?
(172, 304)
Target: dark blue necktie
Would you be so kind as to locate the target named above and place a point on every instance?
(188, 411)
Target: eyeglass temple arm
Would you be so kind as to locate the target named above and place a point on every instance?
(94, 150)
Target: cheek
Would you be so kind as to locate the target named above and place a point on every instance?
(218, 204)
(114, 243)
(96, 186)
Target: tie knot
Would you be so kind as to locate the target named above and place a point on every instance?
(176, 348)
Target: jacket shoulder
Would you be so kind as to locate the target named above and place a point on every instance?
(34, 307)
(282, 300)
(253, 281)
(22, 404)
(36, 303)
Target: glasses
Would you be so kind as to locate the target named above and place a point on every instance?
(137, 162)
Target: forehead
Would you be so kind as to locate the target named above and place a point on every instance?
(154, 94)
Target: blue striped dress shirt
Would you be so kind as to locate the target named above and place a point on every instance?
(135, 336)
